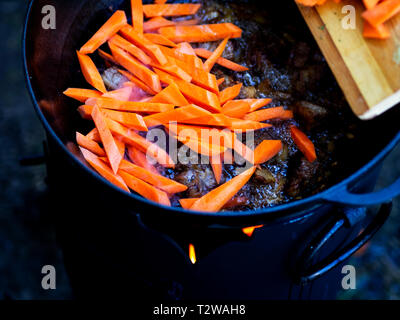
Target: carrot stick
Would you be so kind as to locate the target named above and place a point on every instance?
(243, 150)
(369, 4)
(188, 202)
(132, 138)
(236, 108)
(266, 150)
(131, 120)
(256, 104)
(136, 68)
(248, 231)
(89, 144)
(380, 13)
(189, 22)
(173, 69)
(179, 114)
(133, 106)
(229, 93)
(216, 165)
(159, 39)
(170, 10)
(94, 135)
(217, 198)
(137, 15)
(111, 148)
(198, 95)
(378, 32)
(287, 114)
(209, 63)
(239, 124)
(140, 159)
(156, 23)
(220, 81)
(145, 190)
(147, 46)
(170, 94)
(103, 169)
(121, 147)
(204, 53)
(82, 94)
(201, 33)
(90, 72)
(111, 27)
(201, 147)
(131, 48)
(191, 60)
(137, 81)
(265, 114)
(157, 180)
(303, 143)
(160, 1)
(107, 57)
(122, 94)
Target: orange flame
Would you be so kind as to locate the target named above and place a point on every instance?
(249, 230)
(192, 253)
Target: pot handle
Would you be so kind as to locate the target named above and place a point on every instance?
(345, 197)
(306, 272)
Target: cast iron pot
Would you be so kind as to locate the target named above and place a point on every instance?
(51, 66)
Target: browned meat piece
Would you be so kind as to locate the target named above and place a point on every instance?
(113, 79)
(310, 114)
(199, 179)
(299, 55)
(303, 177)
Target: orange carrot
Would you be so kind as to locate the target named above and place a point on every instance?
(178, 53)
(167, 185)
(156, 23)
(220, 81)
(239, 125)
(266, 150)
(265, 114)
(256, 104)
(140, 159)
(90, 72)
(229, 93)
(200, 146)
(303, 143)
(112, 151)
(170, 94)
(287, 114)
(107, 57)
(236, 108)
(209, 63)
(147, 46)
(243, 150)
(133, 106)
(189, 22)
(160, 1)
(123, 94)
(131, 48)
(81, 94)
(131, 120)
(188, 202)
(145, 190)
(103, 169)
(159, 39)
(111, 27)
(216, 165)
(137, 15)
(204, 53)
(136, 68)
(218, 197)
(369, 4)
(378, 32)
(137, 82)
(170, 10)
(201, 33)
(174, 70)
(381, 12)
(132, 138)
(198, 95)
(94, 135)
(89, 144)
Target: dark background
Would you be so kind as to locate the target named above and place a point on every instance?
(27, 240)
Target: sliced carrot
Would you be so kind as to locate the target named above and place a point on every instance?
(160, 1)
(198, 95)
(137, 82)
(159, 39)
(216, 165)
(217, 198)
(111, 27)
(107, 57)
(140, 159)
(209, 63)
(204, 53)
(82, 94)
(189, 22)
(170, 10)
(200, 146)
(178, 53)
(121, 147)
(304, 144)
(236, 108)
(90, 72)
(174, 70)
(156, 23)
(243, 125)
(132, 138)
(220, 81)
(103, 169)
(130, 48)
(145, 190)
(147, 46)
(266, 150)
(201, 33)
(265, 114)
(188, 202)
(122, 94)
(217, 119)
(170, 94)
(129, 119)
(256, 104)
(94, 135)
(111, 148)
(136, 68)
(157, 180)
(369, 4)
(137, 15)
(178, 114)
(287, 114)
(229, 93)
(380, 13)
(378, 32)
(89, 144)
(133, 106)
